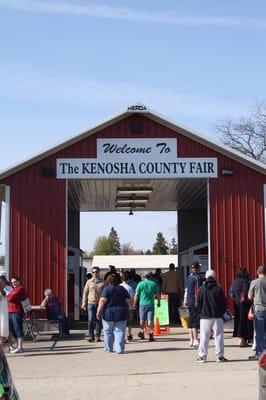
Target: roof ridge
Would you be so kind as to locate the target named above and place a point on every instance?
(138, 108)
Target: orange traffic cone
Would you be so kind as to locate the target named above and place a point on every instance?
(157, 330)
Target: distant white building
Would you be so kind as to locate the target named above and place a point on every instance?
(142, 263)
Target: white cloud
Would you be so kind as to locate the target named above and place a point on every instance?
(130, 14)
(29, 85)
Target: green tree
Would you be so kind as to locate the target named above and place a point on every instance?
(2, 260)
(148, 252)
(160, 246)
(173, 246)
(113, 235)
(104, 246)
(85, 254)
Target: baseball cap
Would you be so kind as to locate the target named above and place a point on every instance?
(195, 265)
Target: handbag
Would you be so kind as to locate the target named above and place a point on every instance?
(251, 314)
(227, 316)
(183, 312)
(243, 298)
(26, 305)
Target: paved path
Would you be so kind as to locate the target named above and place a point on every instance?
(74, 369)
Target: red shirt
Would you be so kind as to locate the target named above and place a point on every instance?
(14, 299)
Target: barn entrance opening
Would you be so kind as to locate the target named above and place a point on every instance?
(186, 199)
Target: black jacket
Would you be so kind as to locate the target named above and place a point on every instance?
(240, 287)
(211, 300)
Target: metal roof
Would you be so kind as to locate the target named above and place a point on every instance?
(167, 195)
(260, 167)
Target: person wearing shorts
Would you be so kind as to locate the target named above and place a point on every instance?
(194, 317)
(145, 293)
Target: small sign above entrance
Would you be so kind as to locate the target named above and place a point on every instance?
(136, 159)
(138, 107)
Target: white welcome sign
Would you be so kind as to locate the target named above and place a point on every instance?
(136, 159)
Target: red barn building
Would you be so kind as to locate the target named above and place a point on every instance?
(136, 160)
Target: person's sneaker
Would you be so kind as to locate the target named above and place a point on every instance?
(11, 348)
(221, 359)
(16, 351)
(201, 359)
(254, 347)
(141, 335)
(129, 338)
(98, 339)
(151, 338)
(91, 340)
(191, 343)
(195, 344)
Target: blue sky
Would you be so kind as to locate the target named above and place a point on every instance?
(68, 64)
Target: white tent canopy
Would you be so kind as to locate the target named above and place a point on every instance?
(139, 262)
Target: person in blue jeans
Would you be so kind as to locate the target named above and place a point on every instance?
(54, 312)
(90, 298)
(113, 307)
(257, 294)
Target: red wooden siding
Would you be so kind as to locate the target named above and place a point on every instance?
(37, 231)
(38, 212)
(237, 222)
(236, 214)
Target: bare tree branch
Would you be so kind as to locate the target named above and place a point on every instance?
(248, 134)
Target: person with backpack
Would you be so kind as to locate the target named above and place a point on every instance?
(193, 285)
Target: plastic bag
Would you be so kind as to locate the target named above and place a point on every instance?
(227, 316)
(26, 305)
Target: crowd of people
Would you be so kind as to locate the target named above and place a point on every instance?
(207, 305)
(114, 303)
(121, 293)
(116, 298)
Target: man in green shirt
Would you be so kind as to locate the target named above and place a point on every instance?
(144, 295)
